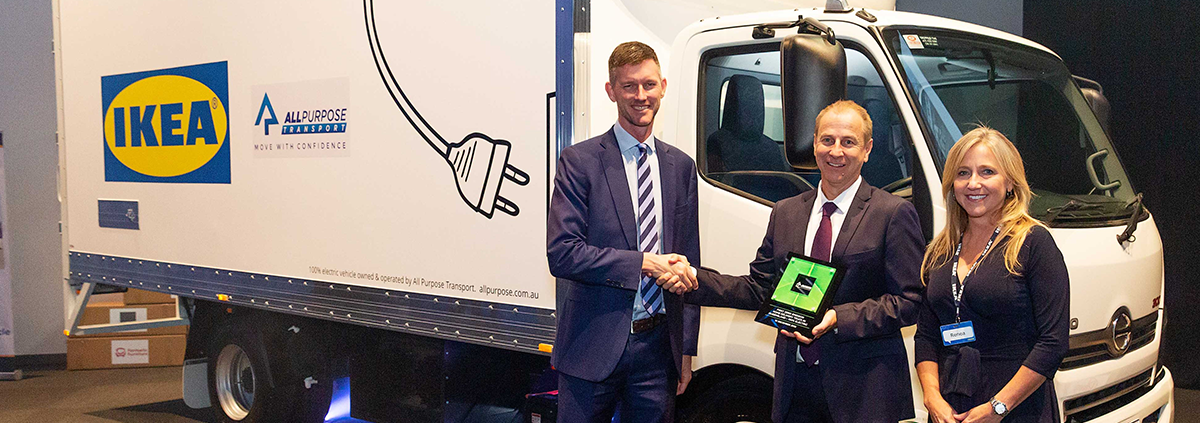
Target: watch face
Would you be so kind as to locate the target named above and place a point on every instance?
(999, 407)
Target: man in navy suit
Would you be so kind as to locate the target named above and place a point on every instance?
(623, 213)
(855, 369)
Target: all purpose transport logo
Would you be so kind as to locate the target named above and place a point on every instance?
(167, 125)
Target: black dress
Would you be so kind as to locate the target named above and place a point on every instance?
(1018, 319)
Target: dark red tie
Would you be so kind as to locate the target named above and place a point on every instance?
(820, 247)
(820, 251)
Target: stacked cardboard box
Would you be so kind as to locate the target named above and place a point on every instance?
(138, 348)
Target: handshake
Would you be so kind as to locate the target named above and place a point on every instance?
(673, 272)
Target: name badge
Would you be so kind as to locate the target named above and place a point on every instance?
(958, 333)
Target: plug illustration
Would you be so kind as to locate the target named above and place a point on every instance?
(480, 163)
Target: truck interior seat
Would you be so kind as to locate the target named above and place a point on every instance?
(739, 144)
(885, 163)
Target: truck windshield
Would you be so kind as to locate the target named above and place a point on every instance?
(960, 81)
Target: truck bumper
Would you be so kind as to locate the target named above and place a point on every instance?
(1156, 405)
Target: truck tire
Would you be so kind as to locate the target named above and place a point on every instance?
(744, 398)
(240, 384)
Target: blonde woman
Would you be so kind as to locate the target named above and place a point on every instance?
(994, 322)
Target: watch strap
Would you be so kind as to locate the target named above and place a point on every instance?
(997, 406)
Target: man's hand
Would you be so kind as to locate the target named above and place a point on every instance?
(827, 324)
(681, 267)
(655, 265)
(685, 375)
(671, 270)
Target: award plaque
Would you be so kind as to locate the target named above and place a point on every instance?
(802, 296)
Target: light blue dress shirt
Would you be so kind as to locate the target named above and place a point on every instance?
(629, 154)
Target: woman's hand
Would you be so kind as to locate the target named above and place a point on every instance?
(980, 414)
(939, 410)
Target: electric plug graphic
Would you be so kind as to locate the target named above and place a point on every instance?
(480, 163)
(480, 166)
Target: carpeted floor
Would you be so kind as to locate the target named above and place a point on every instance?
(124, 395)
(155, 396)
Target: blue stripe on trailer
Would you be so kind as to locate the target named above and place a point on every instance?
(570, 17)
(500, 325)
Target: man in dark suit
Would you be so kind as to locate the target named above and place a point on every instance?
(624, 209)
(855, 369)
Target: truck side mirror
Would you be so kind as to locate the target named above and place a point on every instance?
(813, 73)
(1094, 94)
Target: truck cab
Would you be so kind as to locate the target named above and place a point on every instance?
(924, 81)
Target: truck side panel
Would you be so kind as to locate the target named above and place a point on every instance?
(273, 140)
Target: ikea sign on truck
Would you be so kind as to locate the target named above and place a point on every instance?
(167, 125)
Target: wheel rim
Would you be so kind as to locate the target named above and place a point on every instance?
(235, 382)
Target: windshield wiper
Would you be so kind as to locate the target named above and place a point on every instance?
(1073, 205)
(1127, 235)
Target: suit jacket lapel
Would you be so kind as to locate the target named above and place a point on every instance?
(853, 219)
(618, 186)
(806, 205)
(666, 174)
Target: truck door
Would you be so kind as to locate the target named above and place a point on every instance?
(732, 123)
(737, 118)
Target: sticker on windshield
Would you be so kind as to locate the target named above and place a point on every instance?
(913, 41)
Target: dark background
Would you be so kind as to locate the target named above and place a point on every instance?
(1145, 54)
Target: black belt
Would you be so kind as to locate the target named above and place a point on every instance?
(648, 323)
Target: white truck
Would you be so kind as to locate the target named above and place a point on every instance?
(354, 194)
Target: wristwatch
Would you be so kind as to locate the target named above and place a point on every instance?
(999, 408)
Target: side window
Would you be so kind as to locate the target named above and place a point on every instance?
(742, 126)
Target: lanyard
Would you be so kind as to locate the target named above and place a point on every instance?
(957, 287)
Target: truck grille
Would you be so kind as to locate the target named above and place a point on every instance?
(1098, 346)
(1106, 400)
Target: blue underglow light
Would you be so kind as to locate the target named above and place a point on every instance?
(339, 405)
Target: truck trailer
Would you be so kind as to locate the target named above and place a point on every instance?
(349, 198)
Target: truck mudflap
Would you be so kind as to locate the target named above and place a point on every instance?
(195, 383)
(507, 326)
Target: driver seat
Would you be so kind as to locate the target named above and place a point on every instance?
(739, 143)
(739, 155)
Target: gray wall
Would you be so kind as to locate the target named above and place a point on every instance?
(1005, 15)
(28, 119)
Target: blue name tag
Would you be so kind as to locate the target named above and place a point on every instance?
(958, 333)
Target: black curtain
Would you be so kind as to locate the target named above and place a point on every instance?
(1145, 55)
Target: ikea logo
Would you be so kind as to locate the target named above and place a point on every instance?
(167, 125)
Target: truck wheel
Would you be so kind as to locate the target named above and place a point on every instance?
(240, 385)
(740, 399)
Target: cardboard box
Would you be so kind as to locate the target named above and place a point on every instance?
(126, 351)
(138, 296)
(103, 312)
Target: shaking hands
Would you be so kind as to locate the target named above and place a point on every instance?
(673, 272)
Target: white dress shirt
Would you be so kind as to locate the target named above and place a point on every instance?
(836, 219)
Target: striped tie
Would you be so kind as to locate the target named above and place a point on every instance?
(649, 293)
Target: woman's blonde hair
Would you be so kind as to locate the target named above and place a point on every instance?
(1015, 221)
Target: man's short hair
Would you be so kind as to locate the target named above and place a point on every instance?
(847, 105)
(629, 53)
